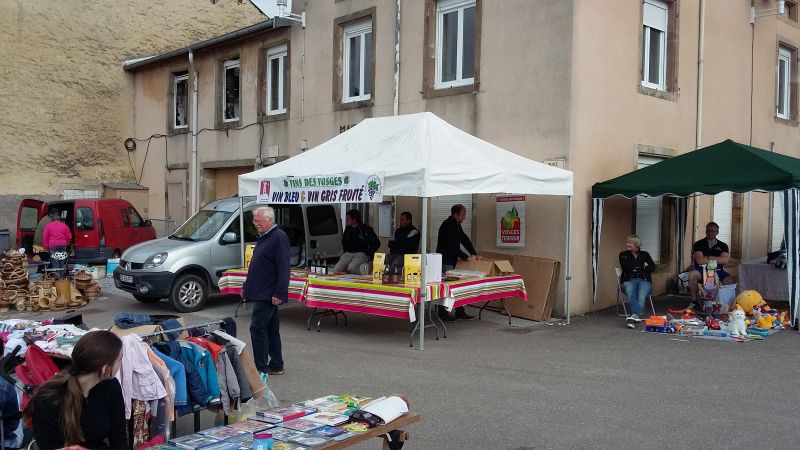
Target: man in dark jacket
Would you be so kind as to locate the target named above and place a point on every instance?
(451, 238)
(267, 286)
(359, 243)
(406, 240)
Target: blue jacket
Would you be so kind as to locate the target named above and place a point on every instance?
(205, 367)
(268, 275)
(178, 373)
(198, 395)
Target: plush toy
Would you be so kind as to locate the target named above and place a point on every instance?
(764, 321)
(737, 325)
(784, 318)
(748, 299)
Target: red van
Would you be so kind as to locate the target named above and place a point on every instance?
(101, 228)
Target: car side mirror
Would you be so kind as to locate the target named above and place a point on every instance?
(230, 238)
(148, 223)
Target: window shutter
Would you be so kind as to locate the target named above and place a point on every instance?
(648, 216)
(440, 210)
(654, 15)
(777, 221)
(723, 205)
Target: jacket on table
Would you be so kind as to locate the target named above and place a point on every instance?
(166, 379)
(205, 367)
(195, 388)
(178, 374)
(136, 375)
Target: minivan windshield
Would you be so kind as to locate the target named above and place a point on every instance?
(202, 226)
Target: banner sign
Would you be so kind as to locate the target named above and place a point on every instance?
(350, 187)
(510, 221)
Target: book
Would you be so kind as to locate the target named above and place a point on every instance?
(282, 434)
(222, 433)
(243, 442)
(224, 445)
(309, 440)
(388, 408)
(344, 436)
(328, 418)
(301, 424)
(327, 431)
(280, 445)
(284, 413)
(193, 441)
(252, 426)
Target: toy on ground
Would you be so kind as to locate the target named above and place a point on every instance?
(713, 324)
(659, 324)
(685, 314)
(709, 289)
(736, 324)
(765, 321)
(748, 299)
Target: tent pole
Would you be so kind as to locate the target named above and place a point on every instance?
(241, 227)
(423, 269)
(568, 258)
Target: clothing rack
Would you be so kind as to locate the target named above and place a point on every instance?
(196, 410)
(174, 330)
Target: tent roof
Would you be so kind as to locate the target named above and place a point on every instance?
(420, 155)
(727, 166)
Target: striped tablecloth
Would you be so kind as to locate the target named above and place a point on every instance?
(359, 294)
(232, 280)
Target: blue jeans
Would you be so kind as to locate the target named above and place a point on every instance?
(266, 337)
(637, 290)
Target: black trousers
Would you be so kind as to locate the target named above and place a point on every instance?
(266, 337)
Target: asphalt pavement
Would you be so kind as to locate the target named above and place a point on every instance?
(488, 385)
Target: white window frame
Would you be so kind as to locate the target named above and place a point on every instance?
(177, 79)
(785, 56)
(655, 15)
(280, 52)
(230, 64)
(360, 29)
(442, 8)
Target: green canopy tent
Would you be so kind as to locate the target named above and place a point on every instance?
(737, 168)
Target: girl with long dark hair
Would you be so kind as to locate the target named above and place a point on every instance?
(82, 405)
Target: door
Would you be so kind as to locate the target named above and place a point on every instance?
(323, 230)
(290, 219)
(28, 216)
(126, 238)
(176, 203)
(86, 234)
(225, 255)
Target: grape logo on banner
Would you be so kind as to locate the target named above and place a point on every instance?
(350, 187)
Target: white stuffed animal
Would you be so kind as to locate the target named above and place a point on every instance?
(736, 323)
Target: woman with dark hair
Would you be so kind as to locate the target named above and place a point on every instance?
(82, 405)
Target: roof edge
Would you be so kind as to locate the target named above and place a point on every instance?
(133, 64)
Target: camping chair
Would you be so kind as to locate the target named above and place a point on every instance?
(622, 299)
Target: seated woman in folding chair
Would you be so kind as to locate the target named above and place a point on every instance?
(636, 280)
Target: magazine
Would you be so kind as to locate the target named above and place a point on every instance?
(283, 413)
(252, 426)
(193, 441)
(224, 445)
(328, 418)
(327, 431)
(309, 440)
(301, 424)
(343, 436)
(280, 445)
(282, 434)
(222, 433)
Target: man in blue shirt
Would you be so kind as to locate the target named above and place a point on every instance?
(267, 286)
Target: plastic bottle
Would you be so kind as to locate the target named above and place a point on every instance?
(262, 441)
(324, 263)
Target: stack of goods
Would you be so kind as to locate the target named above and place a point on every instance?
(84, 282)
(304, 425)
(749, 318)
(13, 281)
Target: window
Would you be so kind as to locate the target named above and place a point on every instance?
(136, 219)
(29, 219)
(455, 43)
(654, 45)
(357, 62)
(84, 218)
(276, 80)
(784, 83)
(322, 220)
(648, 216)
(790, 10)
(180, 95)
(723, 205)
(777, 221)
(230, 90)
(440, 210)
(250, 232)
(126, 220)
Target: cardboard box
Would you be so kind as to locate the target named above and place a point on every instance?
(111, 264)
(248, 254)
(541, 276)
(433, 269)
(378, 266)
(412, 268)
(143, 329)
(489, 267)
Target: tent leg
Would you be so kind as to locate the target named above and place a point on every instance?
(423, 290)
(241, 228)
(568, 259)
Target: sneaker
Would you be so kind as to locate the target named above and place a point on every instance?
(636, 318)
(630, 323)
(275, 372)
(464, 316)
(446, 318)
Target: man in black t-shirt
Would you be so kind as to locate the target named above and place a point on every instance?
(705, 250)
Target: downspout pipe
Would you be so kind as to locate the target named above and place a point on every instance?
(699, 116)
(193, 164)
(396, 81)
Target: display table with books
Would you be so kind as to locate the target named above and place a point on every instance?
(330, 422)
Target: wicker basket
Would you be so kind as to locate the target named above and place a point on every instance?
(91, 292)
(83, 279)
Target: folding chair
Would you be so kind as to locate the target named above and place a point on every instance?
(622, 299)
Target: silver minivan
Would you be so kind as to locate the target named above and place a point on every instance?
(186, 266)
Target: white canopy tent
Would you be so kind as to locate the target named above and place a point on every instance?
(423, 156)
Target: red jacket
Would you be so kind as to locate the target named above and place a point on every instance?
(56, 233)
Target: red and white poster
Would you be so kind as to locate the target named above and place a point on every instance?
(510, 220)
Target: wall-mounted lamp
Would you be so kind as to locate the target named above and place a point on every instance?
(779, 10)
(283, 13)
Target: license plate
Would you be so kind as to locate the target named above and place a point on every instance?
(126, 278)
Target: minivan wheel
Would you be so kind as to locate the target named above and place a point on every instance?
(189, 293)
(147, 300)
